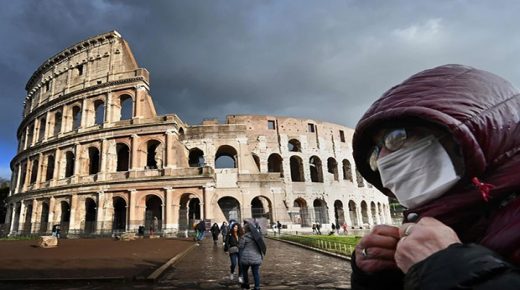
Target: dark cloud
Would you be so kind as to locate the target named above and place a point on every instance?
(322, 60)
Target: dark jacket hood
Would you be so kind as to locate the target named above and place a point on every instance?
(480, 110)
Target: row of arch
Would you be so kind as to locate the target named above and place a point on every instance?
(71, 118)
(356, 215)
(228, 159)
(152, 155)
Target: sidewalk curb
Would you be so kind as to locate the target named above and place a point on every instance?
(157, 273)
(343, 257)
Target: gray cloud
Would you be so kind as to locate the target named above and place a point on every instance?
(323, 60)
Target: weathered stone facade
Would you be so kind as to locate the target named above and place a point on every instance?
(95, 157)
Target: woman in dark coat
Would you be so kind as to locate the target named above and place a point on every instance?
(231, 247)
(215, 231)
(446, 144)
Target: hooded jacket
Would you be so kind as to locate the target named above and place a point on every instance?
(480, 111)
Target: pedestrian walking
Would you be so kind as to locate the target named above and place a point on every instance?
(318, 229)
(279, 226)
(215, 231)
(314, 229)
(154, 226)
(344, 228)
(251, 255)
(333, 229)
(201, 229)
(224, 229)
(231, 247)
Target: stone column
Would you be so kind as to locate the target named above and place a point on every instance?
(40, 175)
(242, 142)
(12, 216)
(359, 216)
(77, 163)
(34, 216)
(64, 119)
(108, 216)
(134, 152)
(69, 72)
(33, 139)
(52, 204)
(171, 135)
(18, 174)
(109, 118)
(48, 130)
(104, 160)
(378, 214)
(370, 215)
(132, 223)
(100, 214)
(21, 218)
(24, 139)
(203, 204)
(168, 220)
(139, 95)
(56, 173)
(73, 224)
(84, 114)
(27, 175)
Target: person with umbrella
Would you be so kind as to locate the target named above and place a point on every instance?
(252, 251)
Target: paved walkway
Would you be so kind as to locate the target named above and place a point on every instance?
(207, 267)
(285, 267)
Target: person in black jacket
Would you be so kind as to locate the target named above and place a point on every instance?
(215, 231)
(231, 246)
(446, 144)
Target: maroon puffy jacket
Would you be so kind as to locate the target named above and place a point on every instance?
(482, 113)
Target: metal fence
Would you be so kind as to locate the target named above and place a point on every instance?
(93, 229)
(340, 247)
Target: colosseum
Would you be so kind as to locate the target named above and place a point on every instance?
(95, 158)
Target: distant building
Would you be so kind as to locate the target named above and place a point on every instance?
(95, 158)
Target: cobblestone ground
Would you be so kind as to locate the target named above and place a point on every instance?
(285, 267)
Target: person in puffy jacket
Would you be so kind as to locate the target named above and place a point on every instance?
(445, 143)
(250, 256)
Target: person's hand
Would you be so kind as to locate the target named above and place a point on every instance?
(419, 241)
(375, 251)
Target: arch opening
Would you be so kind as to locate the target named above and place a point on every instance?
(119, 221)
(226, 157)
(230, 208)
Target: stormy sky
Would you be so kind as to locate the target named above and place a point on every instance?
(324, 60)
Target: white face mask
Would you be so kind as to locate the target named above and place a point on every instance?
(419, 173)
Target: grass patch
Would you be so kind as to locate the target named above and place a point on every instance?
(343, 245)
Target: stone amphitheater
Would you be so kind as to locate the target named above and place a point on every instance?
(95, 158)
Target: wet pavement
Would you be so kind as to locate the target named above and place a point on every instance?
(206, 266)
(285, 266)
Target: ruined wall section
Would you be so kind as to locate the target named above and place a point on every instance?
(326, 144)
